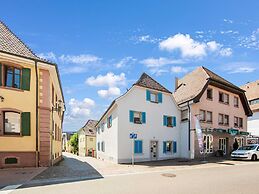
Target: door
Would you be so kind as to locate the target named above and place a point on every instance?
(153, 150)
(223, 145)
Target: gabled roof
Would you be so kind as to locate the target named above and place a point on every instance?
(89, 128)
(10, 43)
(193, 85)
(148, 82)
(252, 93)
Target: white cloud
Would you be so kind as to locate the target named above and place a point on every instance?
(124, 61)
(243, 70)
(78, 108)
(78, 59)
(178, 69)
(146, 39)
(110, 79)
(190, 48)
(240, 67)
(111, 92)
(251, 41)
(228, 21)
(158, 62)
(49, 56)
(225, 52)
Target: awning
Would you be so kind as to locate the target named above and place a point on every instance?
(243, 133)
(220, 130)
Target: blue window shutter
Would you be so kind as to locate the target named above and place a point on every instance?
(135, 147)
(164, 147)
(131, 116)
(140, 146)
(160, 97)
(143, 117)
(165, 120)
(175, 147)
(174, 121)
(148, 95)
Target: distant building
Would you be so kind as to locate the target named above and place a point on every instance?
(221, 107)
(87, 139)
(65, 141)
(148, 110)
(31, 106)
(252, 94)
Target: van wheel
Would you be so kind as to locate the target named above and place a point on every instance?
(254, 157)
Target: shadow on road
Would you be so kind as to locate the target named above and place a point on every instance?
(68, 170)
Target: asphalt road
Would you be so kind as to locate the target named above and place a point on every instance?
(225, 178)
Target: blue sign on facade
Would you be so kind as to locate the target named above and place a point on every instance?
(133, 136)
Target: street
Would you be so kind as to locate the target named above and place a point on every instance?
(221, 177)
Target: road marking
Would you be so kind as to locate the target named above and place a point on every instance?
(8, 189)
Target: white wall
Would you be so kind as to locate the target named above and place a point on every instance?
(184, 139)
(109, 136)
(135, 100)
(253, 124)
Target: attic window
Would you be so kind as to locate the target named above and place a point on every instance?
(90, 130)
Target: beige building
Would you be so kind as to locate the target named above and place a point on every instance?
(221, 107)
(31, 106)
(252, 94)
(87, 139)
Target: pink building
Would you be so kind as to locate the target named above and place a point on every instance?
(221, 107)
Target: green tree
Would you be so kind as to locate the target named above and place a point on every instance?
(74, 143)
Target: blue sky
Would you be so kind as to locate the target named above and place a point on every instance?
(102, 47)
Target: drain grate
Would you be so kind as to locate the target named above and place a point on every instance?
(170, 175)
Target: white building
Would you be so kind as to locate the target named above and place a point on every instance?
(148, 110)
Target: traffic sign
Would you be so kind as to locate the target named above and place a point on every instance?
(133, 136)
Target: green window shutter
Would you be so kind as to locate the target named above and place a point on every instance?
(174, 147)
(26, 79)
(148, 95)
(160, 97)
(174, 121)
(165, 120)
(143, 117)
(1, 77)
(164, 147)
(131, 116)
(26, 123)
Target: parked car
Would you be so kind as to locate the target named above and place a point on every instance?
(248, 152)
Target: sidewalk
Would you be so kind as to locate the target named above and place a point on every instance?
(15, 176)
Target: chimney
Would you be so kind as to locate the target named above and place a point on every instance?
(176, 80)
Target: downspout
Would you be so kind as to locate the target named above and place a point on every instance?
(189, 126)
(37, 116)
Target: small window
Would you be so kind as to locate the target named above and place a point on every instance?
(240, 122)
(223, 97)
(184, 115)
(11, 161)
(221, 119)
(137, 117)
(12, 77)
(167, 147)
(209, 117)
(236, 101)
(235, 121)
(12, 123)
(109, 122)
(153, 97)
(202, 115)
(226, 120)
(103, 146)
(102, 127)
(208, 143)
(169, 121)
(209, 94)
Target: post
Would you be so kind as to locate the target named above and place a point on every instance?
(132, 158)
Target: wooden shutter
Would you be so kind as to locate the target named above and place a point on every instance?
(174, 121)
(143, 117)
(175, 147)
(140, 146)
(148, 95)
(135, 147)
(26, 123)
(1, 76)
(26, 79)
(164, 147)
(165, 120)
(131, 116)
(160, 97)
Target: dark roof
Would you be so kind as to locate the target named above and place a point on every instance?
(10, 43)
(148, 82)
(193, 85)
(89, 127)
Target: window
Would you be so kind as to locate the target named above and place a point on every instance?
(235, 101)
(223, 119)
(12, 77)
(240, 141)
(209, 117)
(12, 123)
(11, 160)
(98, 146)
(235, 121)
(52, 95)
(238, 122)
(184, 115)
(202, 115)
(223, 97)
(155, 97)
(109, 121)
(138, 147)
(102, 127)
(167, 147)
(208, 143)
(103, 146)
(169, 121)
(255, 101)
(209, 94)
(137, 117)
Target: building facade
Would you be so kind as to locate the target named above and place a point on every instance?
(87, 139)
(148, 110)
(31, 106)
(252, 94)
(221, 108)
